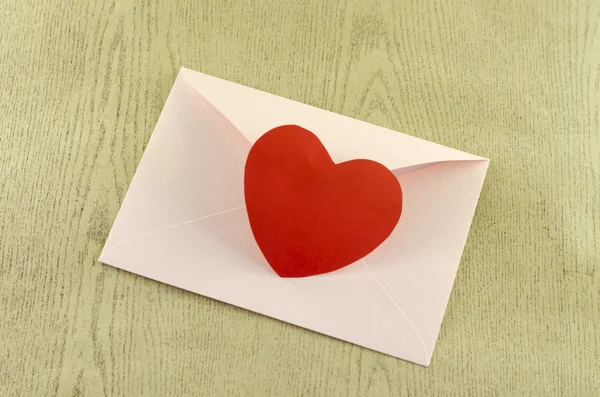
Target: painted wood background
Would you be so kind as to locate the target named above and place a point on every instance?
(82, 83)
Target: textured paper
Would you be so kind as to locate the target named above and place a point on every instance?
(183, 220)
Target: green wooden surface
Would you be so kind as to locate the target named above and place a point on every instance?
(82, 83)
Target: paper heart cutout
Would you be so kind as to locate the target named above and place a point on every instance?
(310, 215)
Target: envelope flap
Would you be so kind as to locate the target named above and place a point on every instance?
(185, 173)
(344, 137)
(216, 257)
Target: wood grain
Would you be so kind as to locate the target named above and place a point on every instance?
(82, 83)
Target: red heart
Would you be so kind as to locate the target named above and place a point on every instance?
(309, 215)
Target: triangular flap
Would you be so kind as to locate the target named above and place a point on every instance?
(217, 257)
(417, 264)
(254, 112)
(192, 167)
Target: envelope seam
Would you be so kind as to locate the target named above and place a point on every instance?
(170, 227)
(399, 309)
(422, 166)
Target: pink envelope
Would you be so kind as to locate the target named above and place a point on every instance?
(183, 221)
